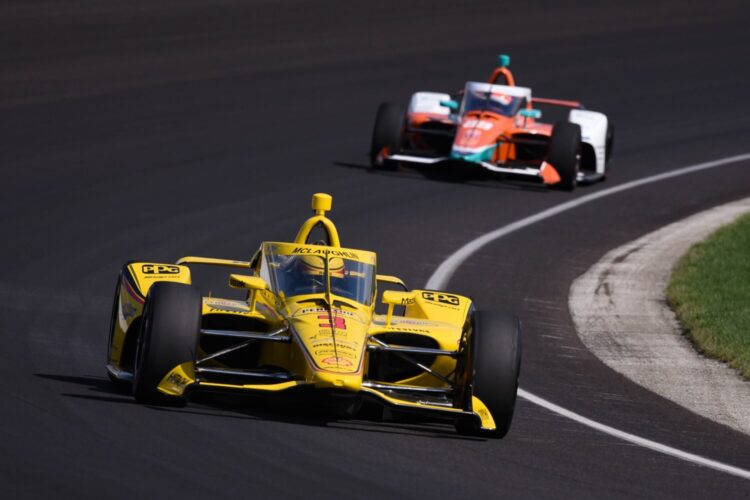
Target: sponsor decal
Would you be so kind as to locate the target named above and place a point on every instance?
(480, 124)
(159, 269)
(338, 322)
(131, 291)
(342, 312)
(315, 310)
(329, 333)
(178, 380)
(413, 322)
(324, 349)
(402, 326)
(312, 310)
(407, 329)
(228, 305)
(229, 309)
(325, 251)
(322, 346)
(442, 298)
(336, 361)
(128, 311)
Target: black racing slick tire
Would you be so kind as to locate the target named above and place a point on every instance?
(387, 135)
(118, 384)
(565, 153)
(168, 337)
(496, 358)
(608, 145)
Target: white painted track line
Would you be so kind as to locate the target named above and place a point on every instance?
(632, 438)
(620, 312)
(448, 267)
(445, 271)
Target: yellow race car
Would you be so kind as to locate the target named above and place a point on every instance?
(307, 325)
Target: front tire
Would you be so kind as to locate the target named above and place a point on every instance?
(565, 153)
(168, 337)
(386, 135)
(496, 360)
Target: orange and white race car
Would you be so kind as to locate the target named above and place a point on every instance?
(496, 125)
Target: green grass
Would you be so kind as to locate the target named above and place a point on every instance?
(710, 292)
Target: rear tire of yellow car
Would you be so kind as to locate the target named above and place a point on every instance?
(168, 337)
(387, 133)
(565, 153)
(496, 366)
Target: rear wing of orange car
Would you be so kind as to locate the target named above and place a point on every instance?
(557, 102)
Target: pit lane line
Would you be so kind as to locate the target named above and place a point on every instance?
(448, 267)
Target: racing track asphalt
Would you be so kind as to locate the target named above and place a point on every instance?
(166, 128)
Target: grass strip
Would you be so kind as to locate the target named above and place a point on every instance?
(710, 292)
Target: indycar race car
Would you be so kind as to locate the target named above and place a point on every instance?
(496, 127)
(307, 325)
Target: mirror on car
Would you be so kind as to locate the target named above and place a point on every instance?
(398, 298)
(531, 113)
(450, 104)
(247, 282)
(393, 298)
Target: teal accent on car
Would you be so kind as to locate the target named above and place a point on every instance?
(504, 60)
(531, 113)
(484, 155)
(451, 104)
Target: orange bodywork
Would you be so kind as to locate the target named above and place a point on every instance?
(549, 174)
(418, 119)
(489, 137)
(481, 130)
(502, 71)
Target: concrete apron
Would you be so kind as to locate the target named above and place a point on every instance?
(620, 313)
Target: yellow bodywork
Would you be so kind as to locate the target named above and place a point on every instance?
(329, 337)
(134, 284)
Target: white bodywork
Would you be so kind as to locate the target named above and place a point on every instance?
(593, 131)
(499, 89)
(429, 102)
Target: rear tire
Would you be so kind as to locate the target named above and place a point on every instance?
(168, 337)
(608, 144)
(496, 346)
(565, 153)
(387, 134)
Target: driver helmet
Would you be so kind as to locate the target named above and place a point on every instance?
(308, 265)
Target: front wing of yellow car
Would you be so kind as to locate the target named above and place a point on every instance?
(412, 361)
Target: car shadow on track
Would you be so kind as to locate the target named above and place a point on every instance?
(479, 179)
(265, 408)
(297, 412)
(101, 387)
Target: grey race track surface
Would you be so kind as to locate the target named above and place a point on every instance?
(166, 128)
